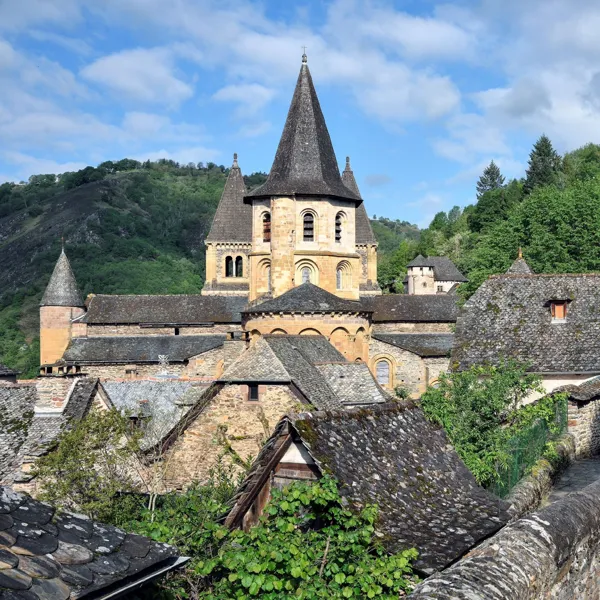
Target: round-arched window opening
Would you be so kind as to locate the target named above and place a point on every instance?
(239, 267)
(228, 266)
(382, 370)
(305, 275)
(266, 227)
(338, 227)
(308, 223)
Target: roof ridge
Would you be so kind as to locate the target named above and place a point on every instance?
(349, 412)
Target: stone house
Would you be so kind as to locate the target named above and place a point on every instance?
(432, 275)
(550, 321)
(388, 455)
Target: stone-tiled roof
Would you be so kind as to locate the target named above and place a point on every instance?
(510, 317)
(443, 268)
(289, 359)
(440, 308)
(16, 414)
(393, 457)
(7, 371)
(159, 404)
(364, 232)
(168, 310)
(233, 220)
(139, 348)
(520, 267)
(584, 392)
(48, 555)
(305, 163)
(353, 383)
(309, 298)
(423, 344)
(62, 289)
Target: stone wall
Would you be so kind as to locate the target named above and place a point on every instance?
(553, 554)
(406, 327)
(584, 426)
(55, 331)
(232, 419)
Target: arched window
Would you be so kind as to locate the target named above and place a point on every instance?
(268, 273)
(338, 227)
(309, 227)
(228, 266)
(239, 267)
(382, 369)
(343, 276)
(306, 272)
(338, 279)
(305, 275)
(267, 227)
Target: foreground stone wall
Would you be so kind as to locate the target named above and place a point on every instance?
(553, 554)
(584, 426)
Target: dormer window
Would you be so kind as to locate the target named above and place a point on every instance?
(558, 310)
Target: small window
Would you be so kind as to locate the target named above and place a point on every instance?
(130, 373)
(305, 275)
(440, 288)
(228, 266)
(269, 277)
(239, 267)
(338, 228)
(253, 392)
(559, 310)
(267, 227)
(176, 331)
(338, 279)
(309, 227)
(383, 372)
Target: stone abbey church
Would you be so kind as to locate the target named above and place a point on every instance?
(297, 256)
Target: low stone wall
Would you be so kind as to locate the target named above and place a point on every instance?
(584, 426)
(553, 554)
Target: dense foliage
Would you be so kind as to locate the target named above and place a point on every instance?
(481, 411)
(491, 179)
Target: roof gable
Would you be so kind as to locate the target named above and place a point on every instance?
(233, 219)
(305, 162)
(443, 268)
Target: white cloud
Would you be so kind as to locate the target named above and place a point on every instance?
(253, 129)
(26, 165)
(250, 97)
(17, 15)
(71, 44)
(142, 75)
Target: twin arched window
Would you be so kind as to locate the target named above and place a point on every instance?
(234, 268)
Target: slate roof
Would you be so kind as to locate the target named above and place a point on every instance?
(520, 267)
(16, 414)
(233, 219)
(363, 230)
(166, 310)
(353, 383)
(48, 555)
(584, 392)
(139, 348)
(432, 308)
(427, 345)
(443, 268)
(162, 403)
(305, 162)
(309, 298)
(62, 289)
(7, 371)
(509, 317)
(390, 455)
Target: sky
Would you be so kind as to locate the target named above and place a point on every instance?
(421, 95)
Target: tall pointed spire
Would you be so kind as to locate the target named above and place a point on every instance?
(305, 162)
(233, 218)
(62, 288)
(364, 231)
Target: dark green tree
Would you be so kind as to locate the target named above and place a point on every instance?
(494, 205)
(491, 179)
(545, 165)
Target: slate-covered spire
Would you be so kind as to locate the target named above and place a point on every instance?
(305, 162)
(233, 219)
(62, 288)
(364, 231)
(520, 266)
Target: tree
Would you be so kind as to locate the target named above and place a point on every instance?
(90, 466)
(495, 205)
(545, 165)
(491, 179)
(481, 409)
(308, 545)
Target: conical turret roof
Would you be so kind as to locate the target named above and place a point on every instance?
(305, 162)
(62, 288)
(233, 219)
(520, 266)
(364, 231)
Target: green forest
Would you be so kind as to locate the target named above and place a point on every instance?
(132, 227)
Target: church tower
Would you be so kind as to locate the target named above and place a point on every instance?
(61, 303)
(303, 216)
(229, 241)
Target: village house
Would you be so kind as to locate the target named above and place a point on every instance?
(548, 321)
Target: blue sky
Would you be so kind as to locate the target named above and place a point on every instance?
(421, 95)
